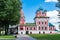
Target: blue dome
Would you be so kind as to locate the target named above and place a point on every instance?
(39, 10)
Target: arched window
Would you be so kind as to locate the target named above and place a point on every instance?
(39, 28)
(42, 22)
(39, 22)
(21, 32)
(50, 32)
(45, 28)
(27, 28)
(45, 22)
(30, 32)
(21, 28)
(42, 28)
(34, 28)
(51, 28)
(39, 33)
(43, 32)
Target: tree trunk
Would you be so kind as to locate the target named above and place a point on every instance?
(0, 31)
(6, 29)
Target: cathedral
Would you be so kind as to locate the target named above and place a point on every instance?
(41, 24)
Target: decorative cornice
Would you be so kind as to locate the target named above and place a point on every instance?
(42, 17)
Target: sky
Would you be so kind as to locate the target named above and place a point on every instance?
(29, 8)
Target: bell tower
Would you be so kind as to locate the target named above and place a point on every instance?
(22, 18)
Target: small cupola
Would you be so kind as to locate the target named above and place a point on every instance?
(40, 12)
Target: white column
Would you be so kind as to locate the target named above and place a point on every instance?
(37, 27)
(24, 28)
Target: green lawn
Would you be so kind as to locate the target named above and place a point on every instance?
(46, 36)
(7, 36)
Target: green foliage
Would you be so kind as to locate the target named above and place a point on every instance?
(7, 36)
(13, 11)
(58, 4)
(2, 12)
(46, 36)
(59, 0)
(9, 12)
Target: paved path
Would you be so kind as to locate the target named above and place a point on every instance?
(24, 37)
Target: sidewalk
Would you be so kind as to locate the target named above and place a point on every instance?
(24, 37)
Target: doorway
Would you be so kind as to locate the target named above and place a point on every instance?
(43, 32)
(27, 32)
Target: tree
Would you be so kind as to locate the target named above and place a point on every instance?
(2, 13)
(58, 4)
(59, 0)
(10, 13)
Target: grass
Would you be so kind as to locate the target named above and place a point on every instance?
(7, 36)
(46, 36)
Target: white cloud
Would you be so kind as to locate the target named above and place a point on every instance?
(53, 17)
(51, 0)
(52, 14)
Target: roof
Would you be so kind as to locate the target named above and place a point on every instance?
(30, 24)
(41, 9)
(51, 25)
(56, 30)
(58, 22)
(33, 24)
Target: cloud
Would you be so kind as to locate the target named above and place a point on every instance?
(51, 0)
(52, 14)
(53, 17)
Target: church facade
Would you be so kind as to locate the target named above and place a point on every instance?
(41, 24)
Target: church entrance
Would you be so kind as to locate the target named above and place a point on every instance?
(27, 32)
(43, 32)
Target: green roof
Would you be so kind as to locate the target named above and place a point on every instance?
(51, 25)
(30, 24)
